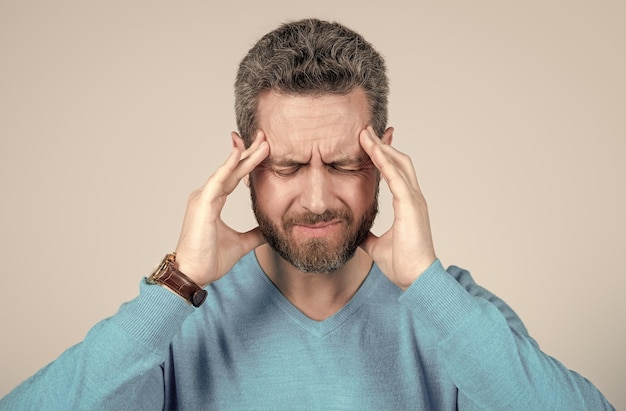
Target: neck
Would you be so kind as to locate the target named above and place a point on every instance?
(321, 295)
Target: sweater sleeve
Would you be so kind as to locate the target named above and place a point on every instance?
(117, 366)
(487, 351)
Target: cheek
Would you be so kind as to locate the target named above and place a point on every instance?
(271, 193)
(358, 193)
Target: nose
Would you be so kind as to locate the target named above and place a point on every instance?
(316, 190)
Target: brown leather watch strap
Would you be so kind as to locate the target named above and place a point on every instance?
(169, 276)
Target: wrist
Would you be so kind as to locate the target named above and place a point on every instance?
(169, 276)
(419, 268)
(190, 271)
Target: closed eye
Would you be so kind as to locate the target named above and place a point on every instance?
(346, 170)
(351, 167)
(285, 171)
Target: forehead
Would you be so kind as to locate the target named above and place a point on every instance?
(299, 127)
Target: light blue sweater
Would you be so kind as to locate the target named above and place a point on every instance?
(444, 344)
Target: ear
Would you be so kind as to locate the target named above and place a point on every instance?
(238, 141)
(387, 136)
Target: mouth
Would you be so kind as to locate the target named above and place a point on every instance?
(320, 229)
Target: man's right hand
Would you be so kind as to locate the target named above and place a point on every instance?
(207, 247)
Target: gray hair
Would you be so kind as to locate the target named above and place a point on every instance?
(310, 57)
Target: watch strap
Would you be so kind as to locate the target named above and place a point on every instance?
(169, 276)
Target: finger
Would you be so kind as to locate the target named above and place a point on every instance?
(235, 167)
(227, 167)
(400, 160)
(258, 139)
(398, 182)
(375, 148)
(251, 158)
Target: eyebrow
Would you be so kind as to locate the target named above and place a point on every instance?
(282, 162)
(341, 161)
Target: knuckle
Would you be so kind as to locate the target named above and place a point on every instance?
(377, 152)
(406, 160)
(194, 194)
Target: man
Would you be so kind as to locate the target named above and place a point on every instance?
(309, 310)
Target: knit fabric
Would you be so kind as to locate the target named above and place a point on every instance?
(444, 344)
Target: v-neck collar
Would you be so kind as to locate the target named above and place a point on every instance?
(316, 328)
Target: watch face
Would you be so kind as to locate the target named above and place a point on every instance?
(160, 270)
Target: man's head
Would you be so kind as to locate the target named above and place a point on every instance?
(310, 57)
(311, 87)
(315, 195)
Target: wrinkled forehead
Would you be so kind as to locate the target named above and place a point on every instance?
(300, 127)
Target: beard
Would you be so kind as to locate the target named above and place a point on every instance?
(315, 255)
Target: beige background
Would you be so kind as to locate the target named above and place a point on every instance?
(112, 112)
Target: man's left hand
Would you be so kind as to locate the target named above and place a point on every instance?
(406, 250)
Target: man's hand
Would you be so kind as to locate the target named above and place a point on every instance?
(406, 249)
(207, 247)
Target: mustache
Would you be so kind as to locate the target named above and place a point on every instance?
(311, 218)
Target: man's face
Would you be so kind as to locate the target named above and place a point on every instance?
(315, 195)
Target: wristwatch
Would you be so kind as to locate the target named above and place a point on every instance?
(166, 274)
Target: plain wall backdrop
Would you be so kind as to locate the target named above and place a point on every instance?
(513, 112)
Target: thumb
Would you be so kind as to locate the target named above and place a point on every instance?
(251, 239)
(369, 243)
